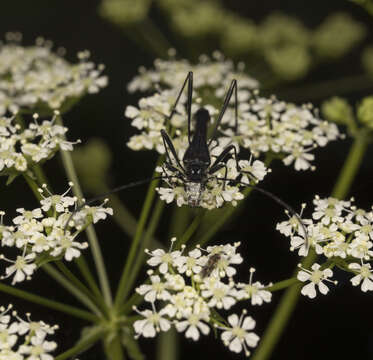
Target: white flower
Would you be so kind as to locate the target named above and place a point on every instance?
(255, 168)
(360, 247)
(254, 291)
(19, 337)
(154, 322)
(27, 215)
(316, 277)
(218, 294)
(36, 75)
(162, 258)
(190, 264)
(194, 323)
(238, 337)
(38, 349)
(22, 268)
(364, 276)
(67, 246)
(157, 290)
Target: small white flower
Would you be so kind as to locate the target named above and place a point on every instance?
(195, 321)
(190, 264)
(364, 276)
(157, 290)
(254, 291)
(67, 246)
(162, 258)
(218, 294)
(238, 337)
(316, 277)
(153, 323)
(38, 349)
(22, 268)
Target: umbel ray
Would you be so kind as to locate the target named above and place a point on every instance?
(196, 167)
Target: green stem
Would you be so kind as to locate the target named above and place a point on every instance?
(135, 243)
(153, 38)
(282, 284)
(90, 231)
(40, 176)
(351, 165)
(159, 207)
(123, 217)
(84, 269)
(114, 349)
(289, 300)
(33, 186)
(83, 298)
(71, 310)
(217, 222)
(323, 89)
(167, 345)
(135, 299)
(84, 344)
(74, 280)
(190, 231)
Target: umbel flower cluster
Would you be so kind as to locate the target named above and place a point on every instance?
(35, 76)
(47, 233)
(340, 232)
(21, 148)
(217, 189)
(23, 339)
(212, 77)
(265, 125)
(188, 291)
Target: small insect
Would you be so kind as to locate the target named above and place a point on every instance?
(210, 266)
(196, 167)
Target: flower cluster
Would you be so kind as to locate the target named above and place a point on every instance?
(46, 233)
(287, 131)
(192, 288)
(219, 188)
(24, 339)
(35, 76)
(264, 125)
(340, 232)
(20, 148)
(212, 77)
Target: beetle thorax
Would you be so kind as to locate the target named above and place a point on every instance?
(196, 171)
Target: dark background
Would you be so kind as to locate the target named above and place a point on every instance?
(338, 325)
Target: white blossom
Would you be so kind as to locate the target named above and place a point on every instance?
(364, 276)
(238, 337)
(34, 75)
(152, 323)
(315, 277)
(44, 233)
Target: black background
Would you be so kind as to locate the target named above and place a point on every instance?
(338, 325)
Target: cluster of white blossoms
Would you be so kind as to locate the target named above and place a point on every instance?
(46, 233)
(24, 339)
(264, 125)
(285, 130)
(219, 187)
(20, 148)
(211, 79)
(343, 234)
(36, 76)
(187, 291)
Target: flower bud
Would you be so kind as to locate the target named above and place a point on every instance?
(337, 35)
(365, 112)
(337, 110)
